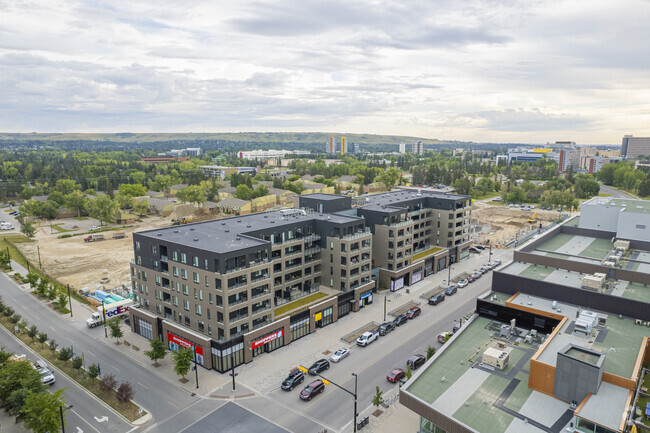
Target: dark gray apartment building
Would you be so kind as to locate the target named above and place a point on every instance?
(217, 286)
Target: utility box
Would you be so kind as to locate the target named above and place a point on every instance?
(497, 358)
(594, 282)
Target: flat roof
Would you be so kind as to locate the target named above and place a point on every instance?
(227, 234)
(322, 196)
(627, 204)
(488, 400)
(583, 355)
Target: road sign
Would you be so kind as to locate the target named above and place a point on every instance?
(325, 381)
(303, 369)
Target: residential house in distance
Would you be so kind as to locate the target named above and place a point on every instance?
(163, 159)
(235, 206)
(223, 172)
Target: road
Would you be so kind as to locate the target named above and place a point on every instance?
(156, 395)
(616, 193)
(333, 410)
(175, 410)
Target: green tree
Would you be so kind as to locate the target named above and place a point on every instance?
(182, 361)
(192, 194)
(261, 191)
(42, 338)
(93, 371)
(17, 376)
(15, 318)
(141, 207)
(138, 177)
(41, 411)
(75, 201)
(157, 351)
(132, 189)
(378, 399)
(124, 201)
(77, 363)
(65, 354)
(53, 345)
(430, 352)
(389, 177)
(47, 209)
(66, 186)
(244, 192)
(116, 330)
(27, 228)
(32, 332)
(107, 383)
(102, 208)
(61, 301)
(644, 188)
(409, 372)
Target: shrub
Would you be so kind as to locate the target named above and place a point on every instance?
(65, 354)
(124, 392)
(107, 383)
(15, 318)
(77, 362)
(53, 345)
(93, 371)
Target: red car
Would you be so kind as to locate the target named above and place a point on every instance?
(395, 375)
(470, 279)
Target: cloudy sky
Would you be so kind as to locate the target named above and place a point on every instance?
(481, 70)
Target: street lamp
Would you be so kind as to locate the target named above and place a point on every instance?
(385, 300)
(61, 411)
(353, 394)
(449, 277)
(195, 367)
(104, 316)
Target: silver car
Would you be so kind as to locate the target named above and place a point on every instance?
(339, 355)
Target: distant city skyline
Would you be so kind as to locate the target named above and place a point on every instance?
(482, 71)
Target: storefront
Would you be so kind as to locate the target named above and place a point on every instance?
(142, 327)
(299, 324)
(324, 317)
(224, 355)
(345, 303)
(396, 284)
(268, 343)
(176, 342)
(442, 263)
(417, 276)
(365, 299)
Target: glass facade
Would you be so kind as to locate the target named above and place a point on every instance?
(142, 327)
(326, 317)
(222, 357)
(300, 328)
(427, 426)
(271, 345)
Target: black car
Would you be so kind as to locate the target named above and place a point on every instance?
(436, 299)
(451, 290)
(294, 378)
(386, 327)
(400, 320)
(416, 361)
(318, 366)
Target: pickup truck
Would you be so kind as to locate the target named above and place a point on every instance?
(115, 309)
(367, 338)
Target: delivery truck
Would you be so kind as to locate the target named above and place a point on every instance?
(94, 238)
(114, 309)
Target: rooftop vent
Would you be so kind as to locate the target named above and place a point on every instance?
(223, 224)
(238, 238)
(159, 234)
(175, 230)
(192, 228)
(238, 221)
(227, 230)
(196, 239)
(248, 225)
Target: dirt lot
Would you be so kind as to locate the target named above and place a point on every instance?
(80, 264)
(500, 223)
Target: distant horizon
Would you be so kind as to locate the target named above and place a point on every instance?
(334, 134)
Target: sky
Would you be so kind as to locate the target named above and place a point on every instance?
(527, 71)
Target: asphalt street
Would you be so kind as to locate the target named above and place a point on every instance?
(604, 189)
(156, 394)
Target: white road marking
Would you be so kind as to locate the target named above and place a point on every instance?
(115, 368)
(102, 419)
(172, 404)
(142, 385)
(133, 429)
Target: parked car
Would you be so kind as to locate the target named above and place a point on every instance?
(470, 279)
(93, 228)
(400, 320)
(489, 266)
(474, 250)
(511, 205)
(543, 207)
(340, 354)
(436, 299)
(451, 290)
(476, 275)
(395, 375)
(416, 361)
(318, 366)
(413, 313)
(559, 209)
(496, 262)
(456, 328)
(314, 388)
(295, 377)
(483, 270)
(367, 338)
(462, 283)
(386, 327)
(480, 247)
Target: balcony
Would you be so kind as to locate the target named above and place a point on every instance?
(294, 265)
(250, 265)
(312, 238)
(312, 250)
(237, 317)
(359, 235)
(260, 294)
(163, 258)
(236, 285)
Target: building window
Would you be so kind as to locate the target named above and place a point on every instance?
(201, 326)
(187, 321)
(200, 294)
(186, 305)
(184, 274)
(197, 278)
(175, 256)
(197, 309)
(185, 291)
(195, 261)
(137, 245)
(175, 271)
(183, 258)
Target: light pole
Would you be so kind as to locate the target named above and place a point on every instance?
(490, 258)
(104, 316)
(232, 369)
(449, 276)
(70, 300)
(196, 369)
(61, 411)
(385, 300)
(355, 400)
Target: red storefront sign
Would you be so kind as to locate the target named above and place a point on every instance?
(186, 344)
(267, 339)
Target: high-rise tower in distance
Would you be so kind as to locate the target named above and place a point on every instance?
(331, 145)
(344, 145)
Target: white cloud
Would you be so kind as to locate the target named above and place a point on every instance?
(482, 70)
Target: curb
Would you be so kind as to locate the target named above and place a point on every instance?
(30, 350)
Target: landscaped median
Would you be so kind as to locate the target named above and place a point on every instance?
(103, 388)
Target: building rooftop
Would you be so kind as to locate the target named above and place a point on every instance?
(226, 234)
(627, 205)
(321, 196)
(487, 400)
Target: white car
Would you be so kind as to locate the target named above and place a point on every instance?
(462, 283)
(367, 338)
(93, 228)
(6, 227)
(339, 355)
(47, 377)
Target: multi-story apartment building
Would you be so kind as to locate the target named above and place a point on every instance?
(216, 286)
(633, 147)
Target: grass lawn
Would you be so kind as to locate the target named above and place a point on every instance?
(129, 410)
(488, 195)
(58, 228)
(16, 255)
(81, 218)
(298, 303)
(602, 194)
